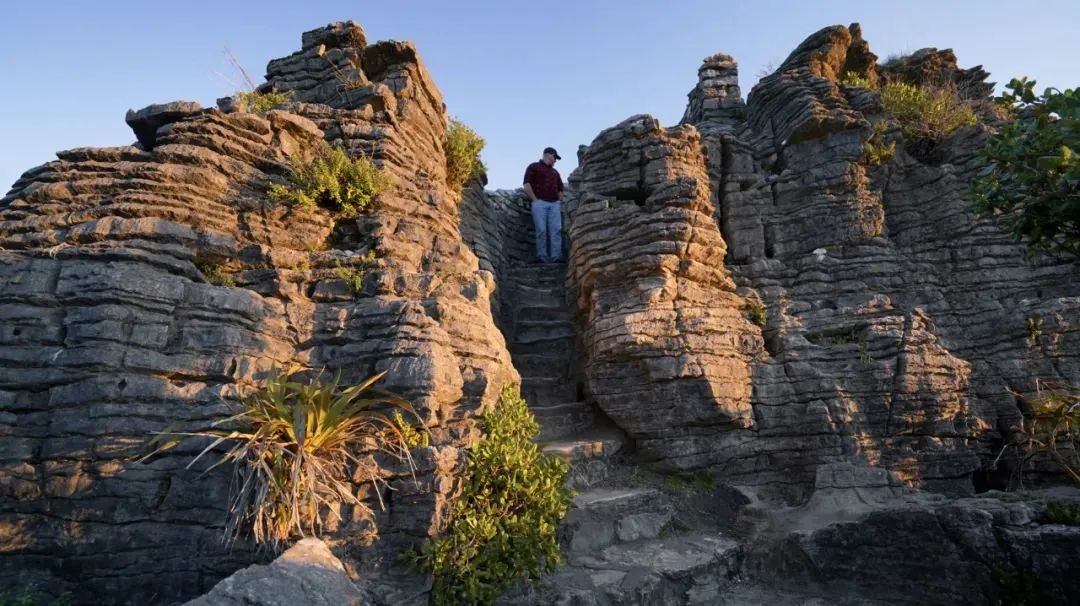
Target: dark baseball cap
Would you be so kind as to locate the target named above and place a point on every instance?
(551, 150)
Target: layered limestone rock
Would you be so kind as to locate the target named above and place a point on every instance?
(667, 348)
(111, 328)
(897, 322)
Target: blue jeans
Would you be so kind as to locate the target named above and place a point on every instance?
(547, 219)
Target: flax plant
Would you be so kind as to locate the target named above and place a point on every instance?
(295, 448)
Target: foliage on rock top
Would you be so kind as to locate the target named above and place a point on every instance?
(259, 103)
(503, 526)
(294, 449)
(1030, 181)
(463, 147)
(927, 112)
(332, 179)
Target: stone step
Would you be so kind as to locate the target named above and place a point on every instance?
(541, 364)
(544, 391)
(524, 294)
(589, 453)
(687, 569)
(560, 347)
(544, 327)
(543, 314)
(604, 516)
(537, 279)
(535, 334)
(559, 421)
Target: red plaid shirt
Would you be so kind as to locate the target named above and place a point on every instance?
(545, 181)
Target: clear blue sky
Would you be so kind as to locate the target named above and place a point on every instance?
(523, 74)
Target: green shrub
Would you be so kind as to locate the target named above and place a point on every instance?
(463, 147)
(259, 103)
(32, 596)
(1063, 512)
(332, 179)
(1030, 181)
(855, 79)
(926, 112)
(503, 526)
(877, 150)
(294, 450)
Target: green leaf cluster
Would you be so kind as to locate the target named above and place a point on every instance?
(463, 147)
(926, 112)
(294, 451)
(856, 79)
(334, 180)
(1030, 180)
(503, 526)
(259, 103)
(354, 276)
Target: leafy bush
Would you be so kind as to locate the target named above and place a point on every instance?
(1063, 512)
(1051, 427)
(331, 178)
(293, 448)
(260, 103)
(1030, 181)
(926, 112)
(463, 147)
(31, 596)
(503, 526)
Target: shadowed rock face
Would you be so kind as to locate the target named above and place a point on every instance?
(110, 330)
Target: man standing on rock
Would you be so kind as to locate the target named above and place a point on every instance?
(544, 187)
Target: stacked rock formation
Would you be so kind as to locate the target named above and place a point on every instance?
(830, 345)
(111, 328)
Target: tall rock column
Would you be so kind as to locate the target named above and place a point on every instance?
(667, 347)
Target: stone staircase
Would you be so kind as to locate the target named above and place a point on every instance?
(542, 346)
(624, 543)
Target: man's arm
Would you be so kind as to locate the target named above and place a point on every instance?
(558, 194)
(529, 171)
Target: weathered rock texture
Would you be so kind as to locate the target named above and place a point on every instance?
(307, 573)
(746, 297)
(109, 329)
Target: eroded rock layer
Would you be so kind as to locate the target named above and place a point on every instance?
(110, 328)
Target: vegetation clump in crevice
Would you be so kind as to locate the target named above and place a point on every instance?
(878, 151)
(215, 274)
(463, 147)
(757, 315)
(502, 527)
(330, 178)
(1063, 512)
(354, 275)
(1030, 179)
(294, 449)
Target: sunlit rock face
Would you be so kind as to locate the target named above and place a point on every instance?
(897, 322)
(667, 345)
(110, 329)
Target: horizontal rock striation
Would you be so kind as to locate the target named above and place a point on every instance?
(897, 322)
(111, 328)
(667, 349)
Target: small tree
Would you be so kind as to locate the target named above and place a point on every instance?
(1031, 179)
